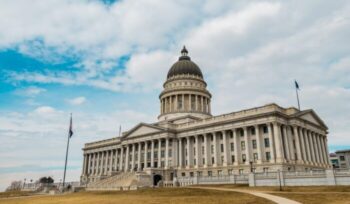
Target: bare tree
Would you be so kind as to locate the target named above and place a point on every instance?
(15, 186)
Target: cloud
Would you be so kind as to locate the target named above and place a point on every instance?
(30, 91)
(77, 101)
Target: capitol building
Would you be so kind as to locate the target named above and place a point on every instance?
(188, 141)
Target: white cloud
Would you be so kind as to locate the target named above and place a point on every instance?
(77, 101)
(31, 91)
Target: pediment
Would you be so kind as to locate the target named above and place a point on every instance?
(142, 129)
(311, 117)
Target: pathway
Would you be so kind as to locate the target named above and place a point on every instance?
(273, 198)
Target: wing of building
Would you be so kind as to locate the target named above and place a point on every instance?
(188, 141)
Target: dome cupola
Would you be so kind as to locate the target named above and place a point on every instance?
(184, 66)
(184, 92)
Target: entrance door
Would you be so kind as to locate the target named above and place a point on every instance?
(156, 179)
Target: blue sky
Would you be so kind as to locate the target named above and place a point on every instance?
(105, 61)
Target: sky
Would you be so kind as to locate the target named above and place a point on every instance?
(106, 61)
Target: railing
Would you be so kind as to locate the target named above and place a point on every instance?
(342, 172)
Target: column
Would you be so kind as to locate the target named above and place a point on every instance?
(180, 152)
(166, 153)
(189, 102)
(188, 152)
(139, 157)
(317, 153)
(327, 151)
(290, 142)
(127, 155)
(97, 163)
(297, 144)
(102, 160)
(183, 102)
(209, 106)
(308, 149)
(174, 151)
(145, 159)
(247, 145)
(324, 156)
(258, 144)
(196, 101)
(286, 144)
(320, 148)
(278, 144)
(176, 103)
(133, 156)
(152, 153)
(236, 146)
(206, 152)
(272, 144)
(309, 135)
(111, 162)
(159, 152)
(198, 151)
(202, 107)
(84, 166)
(121, 157)
(225, 147)
(215, 143)
(171, 103)
(303, 145)
(116, 160)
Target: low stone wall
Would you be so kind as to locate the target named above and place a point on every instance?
(283, 178)
(310, 178)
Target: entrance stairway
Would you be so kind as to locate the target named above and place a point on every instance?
(120, 181)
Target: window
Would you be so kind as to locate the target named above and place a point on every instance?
(342, 158)
(155, 154)
(232, 147)
(212, 149)
(230, 172)
(191, 174)
(241, 171)
(170, 153)
(222, 147)
(212, 160)
(210, 173)
(255, 156)
(265, 129)
(162, 154)
(183, 174)
(243, 157)
(233, 158)
(242, 145)
(267, 142)
(241, 132)
(219, 172)
(203, 161)
(254, 144)
(268, 156)
(203, 150)
(252, 131)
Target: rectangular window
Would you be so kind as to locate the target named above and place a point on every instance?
(222, 147)
(342, 158)
(212, 149)
(203, 161)
(243, 157)
(267, 142)
(254, 144)
(162, 154)
(202, 150)
(255, 156)
(212, 160)
(232, 147)
(222, 159)
(210, 173)
(268, 156)
(233, 158)
(265, 129)
(242, 145)
(252, 131)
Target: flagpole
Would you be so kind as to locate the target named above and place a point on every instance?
(65, 163)
(296, 91)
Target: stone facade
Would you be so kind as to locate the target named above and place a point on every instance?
(187, 141)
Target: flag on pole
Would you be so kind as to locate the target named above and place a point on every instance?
(296, 85)
(70, 127)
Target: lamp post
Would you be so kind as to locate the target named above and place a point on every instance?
(251, 166)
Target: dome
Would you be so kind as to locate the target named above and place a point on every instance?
(184, 66)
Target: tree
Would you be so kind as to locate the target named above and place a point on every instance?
(46, 180)
(15, 186)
